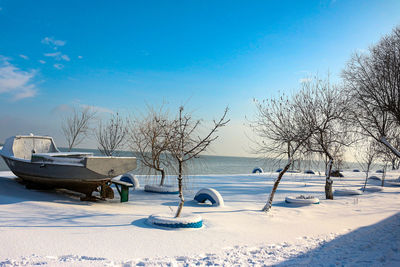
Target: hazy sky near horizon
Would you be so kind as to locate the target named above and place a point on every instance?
(122, 55)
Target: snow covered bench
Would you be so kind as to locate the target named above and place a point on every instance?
(124, 190)
(123, 184)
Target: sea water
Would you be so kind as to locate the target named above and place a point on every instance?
(214, 164)
(201, 165)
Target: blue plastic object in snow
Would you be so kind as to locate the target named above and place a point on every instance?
(257, 170)
(126, 179)
(203, 197)
(211, 195)
(185, 221)
(129, 178)
(180, 225)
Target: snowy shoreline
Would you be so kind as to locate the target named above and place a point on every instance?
(54, 228)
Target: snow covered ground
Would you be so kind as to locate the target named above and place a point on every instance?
(57, 229)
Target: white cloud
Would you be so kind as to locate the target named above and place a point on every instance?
(65, 57)
(24, 57)
(98, 109)
(80, 57)
(53, 42)
(27, 92)
(42, 61)
(57, 56)
(15, 81)
(58, 66)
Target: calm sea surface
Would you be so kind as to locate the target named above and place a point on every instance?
(214, 164)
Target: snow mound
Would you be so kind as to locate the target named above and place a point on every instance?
(373, 189)
(347, 192)
(54, 228)
(163, 189)
(373, 177)
(302, 200)
(373, 245)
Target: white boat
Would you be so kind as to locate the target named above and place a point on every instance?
(37, 161)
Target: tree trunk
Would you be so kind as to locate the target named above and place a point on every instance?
(179, 210)
(326, 165)
(71, 144)
(329, 181)
(268, 206)
(366, 179)
(162, 177)
(384, 175)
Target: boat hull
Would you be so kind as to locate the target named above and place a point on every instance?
(76, 178)
(36, 160)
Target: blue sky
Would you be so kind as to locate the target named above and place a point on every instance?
(120, 55)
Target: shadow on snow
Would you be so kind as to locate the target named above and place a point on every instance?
(370, 245)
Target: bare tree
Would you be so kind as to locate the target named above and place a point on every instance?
(111, 135)
(187, 144)
(385, 155)
(76, 127)
(150, 136)
(324, 110)
(373, 80)
(281, 134)
(366, 158)
(339, 151)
